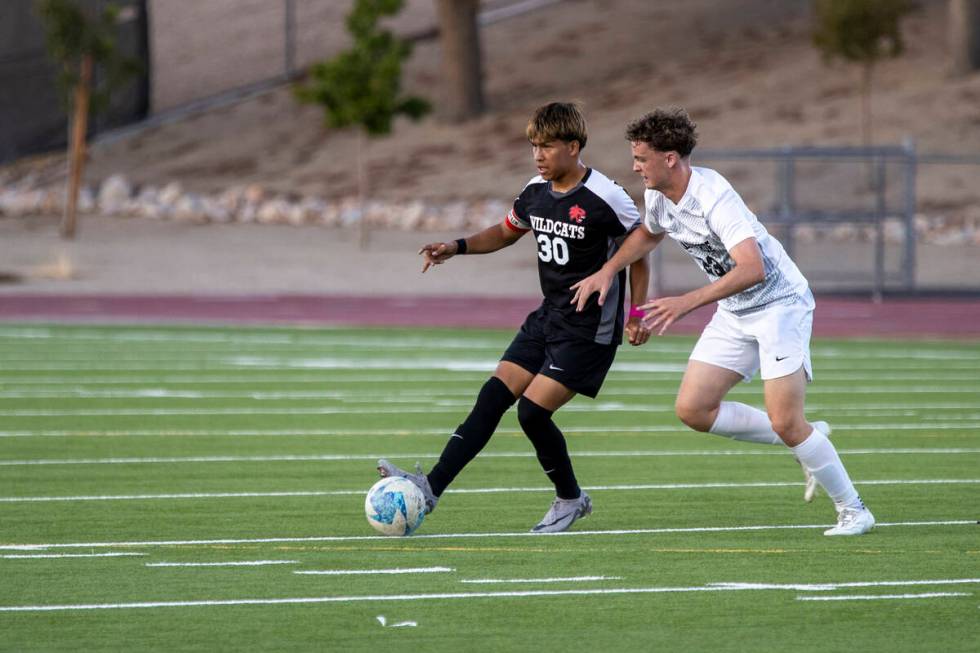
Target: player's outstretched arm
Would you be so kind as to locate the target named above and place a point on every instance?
(639, 281)
(748, 271)
(489, 240)
(640, 243)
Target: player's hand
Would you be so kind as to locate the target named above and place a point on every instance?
(596, 283)
(664, 311)
(636, 332)
(437, 254)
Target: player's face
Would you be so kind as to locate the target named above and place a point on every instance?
(653, 165)
(554, 159)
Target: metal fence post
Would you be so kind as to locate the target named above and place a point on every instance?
(787, 181)
(910, 236)
(880, 184)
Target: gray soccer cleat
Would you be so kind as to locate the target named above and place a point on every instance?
(852, 521)
(386, 469)
(563, 513)
(810, 490)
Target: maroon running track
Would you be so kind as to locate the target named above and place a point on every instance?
(835, 316)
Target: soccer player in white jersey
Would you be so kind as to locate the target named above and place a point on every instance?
(577, 217)
(764, 316)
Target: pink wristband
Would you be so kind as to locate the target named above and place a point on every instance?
(635, 311)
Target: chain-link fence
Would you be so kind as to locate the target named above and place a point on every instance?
(854, 219)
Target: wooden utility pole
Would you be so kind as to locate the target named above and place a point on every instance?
(462, 69)
(964, 36)
(77, 140)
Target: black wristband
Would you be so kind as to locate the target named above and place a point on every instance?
(460, 245)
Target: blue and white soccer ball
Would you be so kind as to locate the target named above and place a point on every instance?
(395, 506)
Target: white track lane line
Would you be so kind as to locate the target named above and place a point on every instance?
(451, 536)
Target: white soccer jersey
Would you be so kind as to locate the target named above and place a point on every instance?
(708, 222)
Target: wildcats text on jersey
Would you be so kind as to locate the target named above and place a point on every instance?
(563, 229)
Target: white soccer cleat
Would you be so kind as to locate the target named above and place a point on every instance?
(810, 489)
(563, 513)
(852, 521)
(386, 470)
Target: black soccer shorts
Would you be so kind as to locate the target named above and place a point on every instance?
(543, 347)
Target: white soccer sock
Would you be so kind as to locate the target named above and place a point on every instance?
(818, 455)
(745, 423)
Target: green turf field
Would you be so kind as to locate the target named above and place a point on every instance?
(138, 463)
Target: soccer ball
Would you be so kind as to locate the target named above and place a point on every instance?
(394, 506)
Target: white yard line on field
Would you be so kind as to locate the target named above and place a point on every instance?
(369, 572)
(883, 597)
(67, 555)
(420, 396)
(569, 579)
(825, 587)
(451, 536)
(286, 340)
(346, 377)
(243, 563)
(490, 490)
(394, 597)
(456, 407)
(424, 343)
(443, 433)
(229, 432)
(268, 364)
(241, 377)
(510, 454)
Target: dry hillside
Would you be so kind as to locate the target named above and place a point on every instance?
(745, 69)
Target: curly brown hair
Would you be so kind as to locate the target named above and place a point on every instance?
(561, 121)
(665, 130)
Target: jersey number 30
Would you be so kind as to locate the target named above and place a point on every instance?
(552, 249)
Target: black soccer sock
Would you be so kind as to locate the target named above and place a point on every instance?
(473, 434)
(549, 443)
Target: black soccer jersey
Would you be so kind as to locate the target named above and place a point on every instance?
(576, 233)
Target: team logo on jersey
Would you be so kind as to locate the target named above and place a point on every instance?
(576, 214)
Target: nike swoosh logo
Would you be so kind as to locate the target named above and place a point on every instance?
(552, 367)
(456, 435)
(781, 358)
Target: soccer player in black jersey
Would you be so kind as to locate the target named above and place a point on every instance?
(578, 217)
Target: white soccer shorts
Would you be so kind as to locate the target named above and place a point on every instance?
(775, 339)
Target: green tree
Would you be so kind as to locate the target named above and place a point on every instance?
(361, 87)
(863, 32)
(79, 39)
